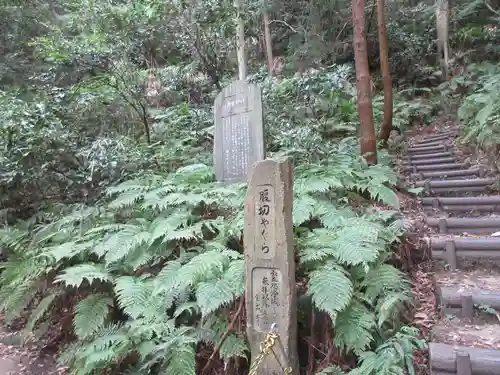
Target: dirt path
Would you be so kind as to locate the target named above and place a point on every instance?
(19, 359)
(463, 223)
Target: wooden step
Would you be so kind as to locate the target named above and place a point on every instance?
(483, 225)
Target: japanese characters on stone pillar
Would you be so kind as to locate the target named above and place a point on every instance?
(270, 290)
(239, 131)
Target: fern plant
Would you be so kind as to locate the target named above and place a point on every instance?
(166, 252)
(480, 110)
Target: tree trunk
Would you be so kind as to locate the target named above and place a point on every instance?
(368, 140)
(268, 40)
(385, 129)
(442, 16)
(240, 32)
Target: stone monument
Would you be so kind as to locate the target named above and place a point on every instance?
(270, 290)
(239, 131)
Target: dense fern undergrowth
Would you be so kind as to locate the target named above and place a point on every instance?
(153, 269)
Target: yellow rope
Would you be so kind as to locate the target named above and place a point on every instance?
(266, 348)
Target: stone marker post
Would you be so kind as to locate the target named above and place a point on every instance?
(270, 289)
(239, 131)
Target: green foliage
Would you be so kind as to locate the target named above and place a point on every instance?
(480, 110)
(393, 356)
(406, 113)
(164, 225)
(110, 199)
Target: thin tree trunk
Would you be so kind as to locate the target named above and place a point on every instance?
(269, 46)
(368, 139)
(240, 32)
(442, 20)
(385, 129)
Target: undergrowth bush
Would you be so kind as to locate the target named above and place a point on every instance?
(480, 109)
(166, 254)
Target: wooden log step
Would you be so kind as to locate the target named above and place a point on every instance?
(450, 248)
(466, 299)
(463, 360)
(436, 137)
(427, 150)
(435, 144)
(451, 134)
(464, 208)
(436, 167)
(466, 243)
(418, 162)
(432, 155)
(456, 186)
(456, 183)
(465, 225)
(443, 143)
(431, 143)
(476, 171)
(452, 201)
(453, 191)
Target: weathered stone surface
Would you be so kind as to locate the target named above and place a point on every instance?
(239, 132)
(270, 288)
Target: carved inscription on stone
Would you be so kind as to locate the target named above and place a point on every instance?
(265, 222)
(270, 293)
(266, 283)
(236, 140)
(239, 133)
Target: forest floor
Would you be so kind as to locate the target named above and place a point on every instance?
(25, 358)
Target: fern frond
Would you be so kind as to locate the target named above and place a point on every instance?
(66, 250)
(138, 185)
(74, 276)
(213, 294)
(192, 308)
(353, 328)
(303, 207)
(392, 305)
(126, 199)
(330, 288)
(135, 296)
(167, 277)
(175, 353)
(164, 225)
(192, 232)
(173, 200)
(91, 314)
(117, 246)
(385, 195)
(204, 266)
(181, 360)
(234, 275)
(40, 310)
(383, 279)
(235, 345)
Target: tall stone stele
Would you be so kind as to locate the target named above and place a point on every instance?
(270, 289)
(239, 131)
